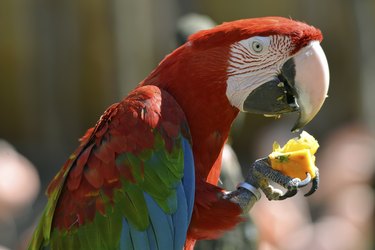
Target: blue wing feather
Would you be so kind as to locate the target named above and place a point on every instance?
(139, 238)
(161, 224)
(166, 231)
(180, 220)
(189, 177)
(125, 240)
(130, 184)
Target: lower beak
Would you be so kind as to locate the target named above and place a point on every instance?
(301, 86)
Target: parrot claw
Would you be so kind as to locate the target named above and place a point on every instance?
(305, 181)
(315, 184)
(288, 194)
(293, 186)
(261, 173)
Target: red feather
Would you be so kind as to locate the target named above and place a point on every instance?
(76, 174)
(92, 172)
(227, 33)
(93, 176)
(210, 223)
(201, 94)
(195, 75)
(100, 206)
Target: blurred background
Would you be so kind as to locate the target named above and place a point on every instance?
(63, 62)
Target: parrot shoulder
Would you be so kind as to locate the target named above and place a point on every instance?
(134, 158)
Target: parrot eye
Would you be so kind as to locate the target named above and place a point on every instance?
(257, 46)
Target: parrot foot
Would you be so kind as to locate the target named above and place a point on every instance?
(245, 196)
(261, 173)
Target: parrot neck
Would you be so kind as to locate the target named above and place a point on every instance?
(198, 83)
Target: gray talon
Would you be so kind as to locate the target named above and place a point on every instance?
(305, 181)
(293, 186)
(314, 186)
(288, 194)
(260, 173)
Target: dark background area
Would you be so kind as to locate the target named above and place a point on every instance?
(63, 62)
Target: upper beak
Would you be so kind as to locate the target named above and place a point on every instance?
(311, 82)
(301, 86)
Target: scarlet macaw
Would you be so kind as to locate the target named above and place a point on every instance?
(144, 177)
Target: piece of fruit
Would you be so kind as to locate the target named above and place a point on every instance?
(296, 157)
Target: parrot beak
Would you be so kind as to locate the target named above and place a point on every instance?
(301, 86)
(311, 82)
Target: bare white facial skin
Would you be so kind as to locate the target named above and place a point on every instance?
(252, 62)
(257, 60)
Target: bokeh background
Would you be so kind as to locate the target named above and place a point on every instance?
(63, 62)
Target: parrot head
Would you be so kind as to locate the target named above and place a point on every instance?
(273, 65)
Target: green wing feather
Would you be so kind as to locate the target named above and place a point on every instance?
(135, 148)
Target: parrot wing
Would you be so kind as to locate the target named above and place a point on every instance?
(129, 185)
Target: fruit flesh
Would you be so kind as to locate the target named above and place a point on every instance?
(296, 157)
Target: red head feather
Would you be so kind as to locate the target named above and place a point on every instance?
(230, 32)
(196, 75)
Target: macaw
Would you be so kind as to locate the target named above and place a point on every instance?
(144, 177)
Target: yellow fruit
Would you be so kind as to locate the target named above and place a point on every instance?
(296, 157)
